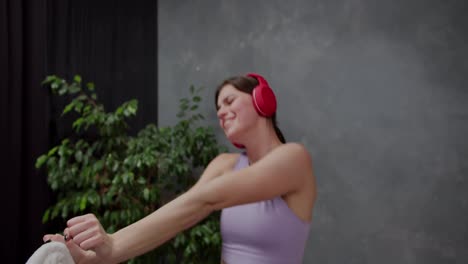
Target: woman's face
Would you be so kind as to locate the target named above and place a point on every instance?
(235, 111)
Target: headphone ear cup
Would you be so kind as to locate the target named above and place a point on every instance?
(263, 97)
(264, 100)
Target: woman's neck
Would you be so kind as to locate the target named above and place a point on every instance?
(261, 145)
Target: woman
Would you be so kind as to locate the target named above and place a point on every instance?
(267, 192)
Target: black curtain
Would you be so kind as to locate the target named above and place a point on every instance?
(24, 125)
(112, 43)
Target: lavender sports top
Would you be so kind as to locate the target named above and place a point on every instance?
(265, 232)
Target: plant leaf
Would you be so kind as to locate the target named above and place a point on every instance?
(41, 160)
(77, 78)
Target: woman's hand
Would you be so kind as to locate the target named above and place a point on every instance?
(87, 234)
(79, 255)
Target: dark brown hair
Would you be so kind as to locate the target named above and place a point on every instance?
(247, 84)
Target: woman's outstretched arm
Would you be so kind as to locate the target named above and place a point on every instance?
(282, 171)
(141, 236)
(91, 244)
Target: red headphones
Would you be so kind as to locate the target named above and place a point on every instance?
(263, 98)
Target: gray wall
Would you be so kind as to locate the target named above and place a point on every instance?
(377, 92)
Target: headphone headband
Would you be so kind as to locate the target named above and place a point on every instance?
(259, 78)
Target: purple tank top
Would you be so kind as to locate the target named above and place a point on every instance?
(265, 232)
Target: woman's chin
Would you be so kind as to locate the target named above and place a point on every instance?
(231, 136)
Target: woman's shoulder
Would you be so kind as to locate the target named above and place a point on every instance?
(291, 154)
(225, 161)
(296, 157)
(295, 145)
(227, 157)
(221, 164)
(294, 150)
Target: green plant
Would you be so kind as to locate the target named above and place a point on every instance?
(122, 178)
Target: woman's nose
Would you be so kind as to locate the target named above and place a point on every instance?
(221, 113)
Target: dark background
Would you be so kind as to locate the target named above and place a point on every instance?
(377, 91)
(110, 43)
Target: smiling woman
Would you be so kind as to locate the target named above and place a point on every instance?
(266, 192)
(253, 88)
(255, 232)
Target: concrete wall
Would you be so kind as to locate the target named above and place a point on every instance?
(377, 91)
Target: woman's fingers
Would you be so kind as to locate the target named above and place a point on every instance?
(53, 237)
(86, 232)
(46, 238)
(82, 233)
(77, 229)
(89, 238)
(76, 252)
(79, 254)
(81, 224)
(85, 238)
(79, 219)
(93, 242)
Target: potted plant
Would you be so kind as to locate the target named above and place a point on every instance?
(101, 169)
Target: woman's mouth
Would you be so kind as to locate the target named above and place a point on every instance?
(227, 123)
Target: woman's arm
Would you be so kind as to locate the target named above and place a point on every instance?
(285, 170)
(282, 171)
(137, 238)
(160, 226)
(141, 236)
